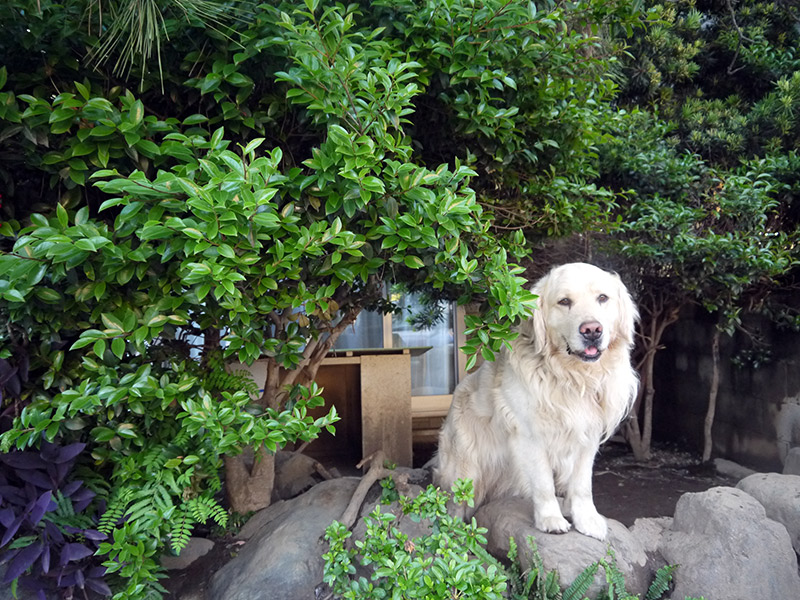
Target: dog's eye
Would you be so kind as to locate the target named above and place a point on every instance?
(565, 302)
(602, 298)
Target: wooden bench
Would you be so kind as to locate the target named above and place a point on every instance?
(427, 414)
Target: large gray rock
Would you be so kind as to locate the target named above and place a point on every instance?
(648, 531)
(569, 553)
(283, 556)
(195, 549)
(731, 469)
(402, 522)
(728, 549)
(293, 474)
(791, 465)
(780, 496)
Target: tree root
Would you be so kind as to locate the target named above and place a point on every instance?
(376, 472)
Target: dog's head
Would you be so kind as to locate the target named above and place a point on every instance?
(583, 311)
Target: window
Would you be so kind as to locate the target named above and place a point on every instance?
(435, 360)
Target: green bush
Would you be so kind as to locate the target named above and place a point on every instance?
(243, 194)
(452, 561)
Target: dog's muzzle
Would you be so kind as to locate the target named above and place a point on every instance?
(591, 333)
(588, 354)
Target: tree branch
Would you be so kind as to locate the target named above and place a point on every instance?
(741, 35)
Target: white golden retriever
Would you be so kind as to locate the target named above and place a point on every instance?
(530, 423)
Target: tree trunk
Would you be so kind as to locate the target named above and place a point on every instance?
(708, 441)
(249, 480)
(640, 435)
(249, 483)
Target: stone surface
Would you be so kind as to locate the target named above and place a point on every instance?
(283, 556)
(648, 532)
(196, 548)
(728, 549)
(791, 465)
(293, 474)
(731, 469)
(402, 522)
(569, 553)
(780, 497)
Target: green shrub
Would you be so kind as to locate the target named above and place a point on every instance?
(246, 200)
(452, 561)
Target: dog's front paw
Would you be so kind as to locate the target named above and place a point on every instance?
(591, 523)
(551, 523)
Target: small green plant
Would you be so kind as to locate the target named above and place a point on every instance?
(452, 561)
(537, 583)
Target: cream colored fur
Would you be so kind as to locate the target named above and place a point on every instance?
(530, 423)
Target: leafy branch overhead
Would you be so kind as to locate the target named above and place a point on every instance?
(250, 211)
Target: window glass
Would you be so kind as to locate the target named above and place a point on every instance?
(426, 327)
(366, 332)
(420, 324)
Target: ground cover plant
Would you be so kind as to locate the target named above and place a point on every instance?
(452, 561)
(43, 512)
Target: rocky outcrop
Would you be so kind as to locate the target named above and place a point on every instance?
(283, 555)
(728, 549)
(729, 543)
(196, 548)
(791, 465)
(569, 553)
(780, 497)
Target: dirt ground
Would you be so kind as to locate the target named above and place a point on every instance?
(624, 490)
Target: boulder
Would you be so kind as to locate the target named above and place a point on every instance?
(780, 496)
(728, 549)
(648, 532)
(728, 468)
(283, 555)
(569, 553)
(791, 465)
(293, 474)
(196, 548)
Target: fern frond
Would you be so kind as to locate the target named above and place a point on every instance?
(552, 589)
(153, 458)
(180, 531)
(203, 508)
(117, 506)
(661, 582)
(243, 380)
(181, 438)
(214, 483)
(537, 574)
(163, 499)
(64, 515)
(614, 577)
(63, 505)
(143, 509)
(515, 574)
(578, 588)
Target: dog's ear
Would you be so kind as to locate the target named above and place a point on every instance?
(534, 328)
(628, 313)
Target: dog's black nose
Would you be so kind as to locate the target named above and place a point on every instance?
(591, 330)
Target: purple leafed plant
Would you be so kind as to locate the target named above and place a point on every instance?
(46, 539)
